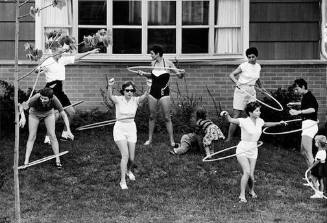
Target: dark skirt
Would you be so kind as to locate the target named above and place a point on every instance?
(320, 170)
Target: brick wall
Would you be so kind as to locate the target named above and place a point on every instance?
(85, 79)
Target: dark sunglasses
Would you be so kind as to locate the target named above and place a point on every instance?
(130, 90)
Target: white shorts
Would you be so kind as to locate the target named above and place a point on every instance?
(307, 130)
(241, 99)
(247, 149)
(125, 131)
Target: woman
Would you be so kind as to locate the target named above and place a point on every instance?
(247, 150)
(125, 129)
(41, 106)
(159, 93)
(245, 76)
(54, 69)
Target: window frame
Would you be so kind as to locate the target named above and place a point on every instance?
(244, 27)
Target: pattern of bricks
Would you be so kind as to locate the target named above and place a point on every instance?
(84, 80)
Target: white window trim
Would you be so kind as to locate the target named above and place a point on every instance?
(39, 36)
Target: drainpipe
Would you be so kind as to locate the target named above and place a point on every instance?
(323, 30)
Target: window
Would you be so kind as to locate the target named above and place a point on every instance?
(194, 29)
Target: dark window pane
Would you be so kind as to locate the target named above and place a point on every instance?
(126, 12)
(162, 13)
(86, 32)
(163, 37)
(127, 41)
(195, 13)
(195, 40)
(92, 12)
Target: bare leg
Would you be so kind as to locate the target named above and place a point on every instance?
(123, 148)
(131, 152)
(50, 123)
(245, 164)
(152, 119)
(165, 104)
(33, 124)
(306, 150)
(232, 127)
(251, 180)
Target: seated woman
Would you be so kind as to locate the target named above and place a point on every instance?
(41, 107)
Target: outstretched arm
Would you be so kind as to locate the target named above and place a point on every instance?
(79, 56)
(66, 121)
(230, 119)
(271, 124)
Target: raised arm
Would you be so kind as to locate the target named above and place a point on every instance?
(110, 96)
(230, 119)
(79, 56)
(147, 90)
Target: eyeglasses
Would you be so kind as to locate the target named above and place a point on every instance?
(130, 90)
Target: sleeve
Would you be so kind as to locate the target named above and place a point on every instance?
(33, 100)
(137, 100)
(261, 122)
(242, 66)
(57, 105)
(242, 122)
(45, 63)
(67, 60)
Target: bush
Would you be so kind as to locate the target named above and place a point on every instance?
(7, 111)
(283, 96)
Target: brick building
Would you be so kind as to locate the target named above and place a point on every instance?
(208, 37)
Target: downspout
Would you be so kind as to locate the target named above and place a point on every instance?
(323, 30)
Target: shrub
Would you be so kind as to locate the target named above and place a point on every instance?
(7, 111)
(283, 96)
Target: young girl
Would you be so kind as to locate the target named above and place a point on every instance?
(319, 167)
(208, 130)
(247, 150)
(125, 129)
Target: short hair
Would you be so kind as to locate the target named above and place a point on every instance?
(300, 82)
(321, 141)
(252, 50)
(251, 106)
(46, 92)
(125, 85)
(201, 113)
(157, 49)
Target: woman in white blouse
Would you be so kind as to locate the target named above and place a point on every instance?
(245, 76)
(125, 135)
(247, 149)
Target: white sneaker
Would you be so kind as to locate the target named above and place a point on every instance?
(317, 195)
(130, 175)
(123, 185)
(47, 140)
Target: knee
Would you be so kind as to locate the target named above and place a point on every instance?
(152, 116)
(247, 173)
(167, 118)
(52, 136)
(31, 138)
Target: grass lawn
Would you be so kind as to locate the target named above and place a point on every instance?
(167, 188)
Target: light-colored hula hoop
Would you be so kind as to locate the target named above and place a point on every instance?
(207, 158)
(288, 132)
(42, 160)
(100, 124)
(135, 69)
(310, 183)
(261, 102)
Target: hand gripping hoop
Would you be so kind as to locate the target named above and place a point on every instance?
(207, 158)
(288, 132)
(135, 69)
(261, 102)
(42, 160)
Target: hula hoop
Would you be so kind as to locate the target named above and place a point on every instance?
(310, 183)
(42, 160)
(135, 69)
(288, 132)
(101, 124)
(261, 102)
(207, 158)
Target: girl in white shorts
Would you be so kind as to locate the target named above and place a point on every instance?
(125, 129)
(247, 149)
